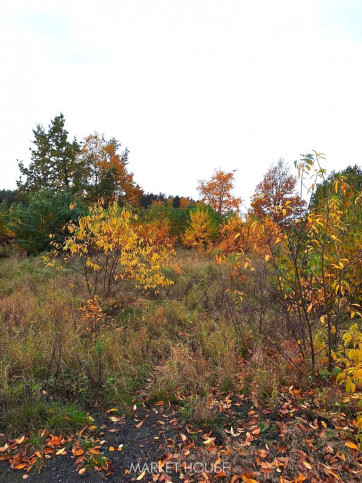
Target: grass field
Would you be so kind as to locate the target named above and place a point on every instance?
(185, 348)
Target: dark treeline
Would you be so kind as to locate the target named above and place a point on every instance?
(175, 201)
(8, 197)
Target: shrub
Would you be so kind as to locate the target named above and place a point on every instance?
(45, 214)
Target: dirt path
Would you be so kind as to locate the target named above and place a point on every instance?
(261, 444)
(144, 439)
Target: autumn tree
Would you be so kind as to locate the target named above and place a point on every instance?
(103, 171)
(53, 160)
(201, 229)
(184, 203)
(217, 192)
(276, 196)
(314, 267)
(110, 249)
(246, 235)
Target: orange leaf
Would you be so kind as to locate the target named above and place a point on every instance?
(351, 445)
(221, 474)
(248, 480)
(300, 478)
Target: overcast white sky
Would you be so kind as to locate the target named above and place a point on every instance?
(187, 85)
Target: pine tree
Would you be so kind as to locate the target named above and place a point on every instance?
(53, 160)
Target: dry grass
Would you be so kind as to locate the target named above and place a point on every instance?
(181, 336)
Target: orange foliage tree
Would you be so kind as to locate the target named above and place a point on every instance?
(184, 203)
(249, 235)
(103, 171)
(217, 192)
(156, 229)
(275, 196)
(157, 232)
(231, 239)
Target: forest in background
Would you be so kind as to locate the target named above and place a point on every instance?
(113, 298)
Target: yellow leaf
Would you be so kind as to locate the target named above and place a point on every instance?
(358, 375)
(209, 441)
(19, 440)
(351, 445)
(141, 475)
(350, 386)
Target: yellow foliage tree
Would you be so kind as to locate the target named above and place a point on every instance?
(349, 356)
(200, 231)
(110, 249)
(315, 262)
